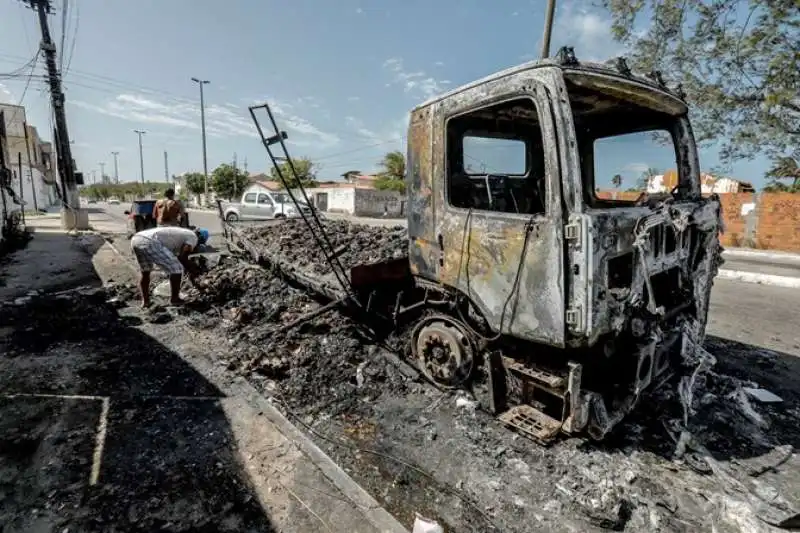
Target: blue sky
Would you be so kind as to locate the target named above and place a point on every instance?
(341, 75)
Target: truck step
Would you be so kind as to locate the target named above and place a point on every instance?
(540, 377)
(531, 422)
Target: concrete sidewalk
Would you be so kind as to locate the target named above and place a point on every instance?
(233, 435)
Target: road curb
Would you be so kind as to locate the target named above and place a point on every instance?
(780, 257)
(372, 510)
(760, 279)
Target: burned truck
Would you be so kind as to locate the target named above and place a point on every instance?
(558, 307)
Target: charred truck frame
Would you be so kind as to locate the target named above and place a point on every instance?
(561, 306)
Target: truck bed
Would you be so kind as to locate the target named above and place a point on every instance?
(287, 244)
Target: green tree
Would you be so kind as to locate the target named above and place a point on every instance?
(738, 62)
(394, 166)
(784, 168)
(228, 181)
(195, 182)
(616, 181)
(306, 173)
(393, 174)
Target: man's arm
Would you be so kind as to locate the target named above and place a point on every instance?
(188, 266)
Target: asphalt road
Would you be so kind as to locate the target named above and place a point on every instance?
(760, 315)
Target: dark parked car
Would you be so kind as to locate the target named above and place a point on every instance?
(140, 216)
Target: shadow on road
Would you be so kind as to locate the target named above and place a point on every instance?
(102, 428)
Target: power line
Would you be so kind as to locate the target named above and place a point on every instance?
(74, 38)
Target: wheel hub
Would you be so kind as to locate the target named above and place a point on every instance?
(443, 352)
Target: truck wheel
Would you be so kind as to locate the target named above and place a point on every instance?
(443, 350)
(232, 217)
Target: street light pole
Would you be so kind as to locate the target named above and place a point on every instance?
(116, 168)
(203, 128)
(141, 157)
(102, 170)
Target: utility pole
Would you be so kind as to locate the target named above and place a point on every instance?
(203, 128)
(67, 165)
(166, 167)
(141, 157)
(116, 167)
(548, 27)
(94, 177)
(235, 175)
(102, 170)
(245, 165)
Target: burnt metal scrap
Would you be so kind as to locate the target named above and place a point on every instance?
(561, 309)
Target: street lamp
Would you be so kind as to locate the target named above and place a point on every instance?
(141, 157)
(116, 167)
(203, 128)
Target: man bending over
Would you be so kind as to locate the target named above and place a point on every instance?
(167, 247)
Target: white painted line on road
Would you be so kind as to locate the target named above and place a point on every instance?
(100, 443)
(762, 279)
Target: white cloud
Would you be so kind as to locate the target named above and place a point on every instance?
(353, 98)
(359, 10)
(361, 129)
(226, 120)
(515, 14)
(587, 30)
(417, 82)
(5, 94)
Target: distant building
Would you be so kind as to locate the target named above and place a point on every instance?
(38, 170)
(708, 184)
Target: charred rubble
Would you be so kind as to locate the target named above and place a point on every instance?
(353, 244)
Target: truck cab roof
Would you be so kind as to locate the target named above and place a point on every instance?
(565, 60)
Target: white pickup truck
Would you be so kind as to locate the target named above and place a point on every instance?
(262, 205)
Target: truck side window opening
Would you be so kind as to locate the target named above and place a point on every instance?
(264, 199)
(250, 198)
(495, 159)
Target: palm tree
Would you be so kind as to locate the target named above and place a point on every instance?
(394, 165)
(785, 168)
(616, 181)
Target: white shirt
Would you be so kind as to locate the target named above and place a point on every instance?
(173, 237)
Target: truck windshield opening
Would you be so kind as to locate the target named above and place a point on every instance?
(627, 150)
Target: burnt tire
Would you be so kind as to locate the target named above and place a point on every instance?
(232, 217)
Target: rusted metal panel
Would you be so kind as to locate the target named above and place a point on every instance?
(517, 285)
(421, 208)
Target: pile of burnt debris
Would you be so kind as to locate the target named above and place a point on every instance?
(353, 244)
(708, 451)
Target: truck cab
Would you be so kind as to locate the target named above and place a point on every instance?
(533, 249)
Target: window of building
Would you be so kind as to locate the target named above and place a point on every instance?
(495, 159)
(250, 198)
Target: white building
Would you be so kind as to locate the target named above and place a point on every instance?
(30, 159)
(708, 184)
(343, 197)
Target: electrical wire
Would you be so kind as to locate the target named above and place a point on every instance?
(64, 29)
(74, 38)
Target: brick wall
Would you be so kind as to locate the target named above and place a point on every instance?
(778, 226)
(773, 223)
